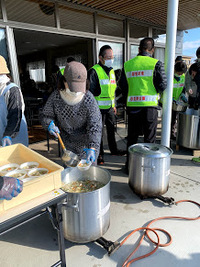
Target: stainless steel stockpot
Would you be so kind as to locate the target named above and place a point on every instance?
(149, 169)
(188, 130)
(86, 216)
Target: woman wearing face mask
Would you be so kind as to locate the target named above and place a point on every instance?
(13, 126)
(103, 86)
(180, 69)
(75, 112)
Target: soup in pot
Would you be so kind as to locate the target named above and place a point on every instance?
(82, 186)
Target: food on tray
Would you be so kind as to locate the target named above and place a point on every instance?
(17, 175)
(82, 186)
(29, 165)
(37, 172)
(8, 167)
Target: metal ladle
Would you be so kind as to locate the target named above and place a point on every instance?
(70, 158)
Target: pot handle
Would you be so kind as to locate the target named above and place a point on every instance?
(74, 206)
(150, 167)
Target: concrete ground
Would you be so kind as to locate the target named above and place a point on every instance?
(35, 243)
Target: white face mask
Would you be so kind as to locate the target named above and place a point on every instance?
(73, 94)
(71, 98)
(109, 63)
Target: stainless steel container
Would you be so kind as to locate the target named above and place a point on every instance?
(86, 216)
(188, 131)
(149, 169)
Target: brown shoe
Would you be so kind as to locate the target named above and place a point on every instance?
(100, 160)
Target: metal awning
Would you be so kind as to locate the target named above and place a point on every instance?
(149, 11)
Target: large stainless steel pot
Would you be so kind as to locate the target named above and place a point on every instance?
(188, 131)
(86, 216)
(149, 169)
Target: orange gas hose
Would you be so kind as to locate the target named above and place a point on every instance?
(128, 262)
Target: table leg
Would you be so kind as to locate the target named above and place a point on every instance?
(61, 241)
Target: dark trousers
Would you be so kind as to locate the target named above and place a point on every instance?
(173, 122)
(144, 121)
(108, 119)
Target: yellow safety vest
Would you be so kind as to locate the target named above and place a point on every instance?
(178, 87)
(108, 86)
(139, 74)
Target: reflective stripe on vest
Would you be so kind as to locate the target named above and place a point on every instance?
(108, 86)
(139, 74)
(142, 98)
(107, 82)
(176, 85)
(107, 103)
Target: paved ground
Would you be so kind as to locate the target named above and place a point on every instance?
(35, 243)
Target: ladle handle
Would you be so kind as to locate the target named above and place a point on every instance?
(61, 141)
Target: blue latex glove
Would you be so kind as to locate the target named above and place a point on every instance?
(6, 141)
(53, 129)
(11, 188)
(183, 98)
(90, 155)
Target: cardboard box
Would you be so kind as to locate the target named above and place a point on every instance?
(40, 185)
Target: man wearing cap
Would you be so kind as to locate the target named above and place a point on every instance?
(178, 59)
(142, 79)
(13, 126)
(103, 87)
(76, 114)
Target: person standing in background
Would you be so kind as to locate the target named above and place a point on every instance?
(13, 126)
(178, 92)
(103, 85)
(190, 85)
(143, 79)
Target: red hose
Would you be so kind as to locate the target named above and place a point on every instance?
(128, 262)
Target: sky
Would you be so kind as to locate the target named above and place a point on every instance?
(191, 41)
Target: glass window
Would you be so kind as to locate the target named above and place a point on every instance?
(159, 36)
(110, 26)
(3, 48)
(33, 12)
(37, 70)
(160, 39)
(138, 31)
(134, 50)
(159, 54)
(117, 51)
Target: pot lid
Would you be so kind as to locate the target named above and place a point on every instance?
(150, 150)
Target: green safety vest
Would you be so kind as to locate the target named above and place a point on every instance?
(108, 86)
(178, 87)
(139, 74)
(62, 71)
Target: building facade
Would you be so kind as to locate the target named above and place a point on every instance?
(36, 34)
